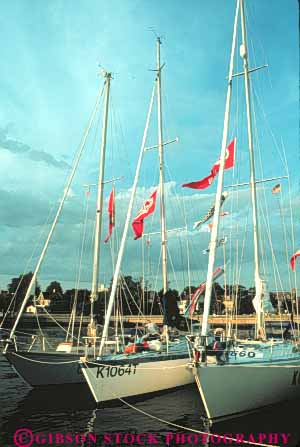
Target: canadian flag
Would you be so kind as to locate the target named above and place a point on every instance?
(147, 209)
(293, 259)
(207, 181)
(229, 159)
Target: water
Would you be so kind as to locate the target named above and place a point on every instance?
(74, 411)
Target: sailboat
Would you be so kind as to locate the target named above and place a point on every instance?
(112, 377)
(60, 367)
(235, 376)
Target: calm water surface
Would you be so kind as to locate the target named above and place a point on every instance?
(74, 411)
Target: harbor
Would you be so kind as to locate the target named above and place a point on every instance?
(149, 283)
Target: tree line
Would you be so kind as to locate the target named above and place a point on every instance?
(132, 297)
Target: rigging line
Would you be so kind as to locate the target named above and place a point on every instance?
(143, 275)
(66, 362)
(249, 28)
(56, 322)
(240, 262)
(37, 316)
(261, 107)
(279, 203)
(111, 127)
(167, 115)
(275, 262)
(80, 321)
(172, 265)
(180, 206)
(292, 223)
(156, 281)
(262, 242)
(120, 310)
(262, 187)
(253, 90)
(267, 219)
(58, 212)
(122, 282)
(124, 161)
(235, 256)
(131, 295)
(265, 201)
(252, 15)
(38, 240)
(290, 198)
(187, 243)
(77, 283)
(42, 232)
(182, 427)
(19, 332)
(152, 275)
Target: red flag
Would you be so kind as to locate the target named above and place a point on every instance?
(207, 181)
(229, 159)
(293, 259)
(147, 209)
(111, 214)
(200, 184)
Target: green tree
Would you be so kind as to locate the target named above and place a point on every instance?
(54, 289)
(59, 302)
(82, 298)
(4, 300)
(19, 286)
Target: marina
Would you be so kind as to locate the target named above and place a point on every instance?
(153, 295)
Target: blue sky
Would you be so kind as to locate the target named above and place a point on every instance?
(49, 82)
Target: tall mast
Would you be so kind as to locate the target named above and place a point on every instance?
(214, 233)
(161, 173)
(99, 206)
(257, 279)
(125, 231)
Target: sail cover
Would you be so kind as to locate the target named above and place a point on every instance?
(262, 295)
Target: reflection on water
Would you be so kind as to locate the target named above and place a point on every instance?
(73, 410)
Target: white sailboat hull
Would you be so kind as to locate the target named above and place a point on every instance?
(43, 369)
(112, 382)
(230, 390)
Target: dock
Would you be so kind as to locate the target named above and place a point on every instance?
(215, 320)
